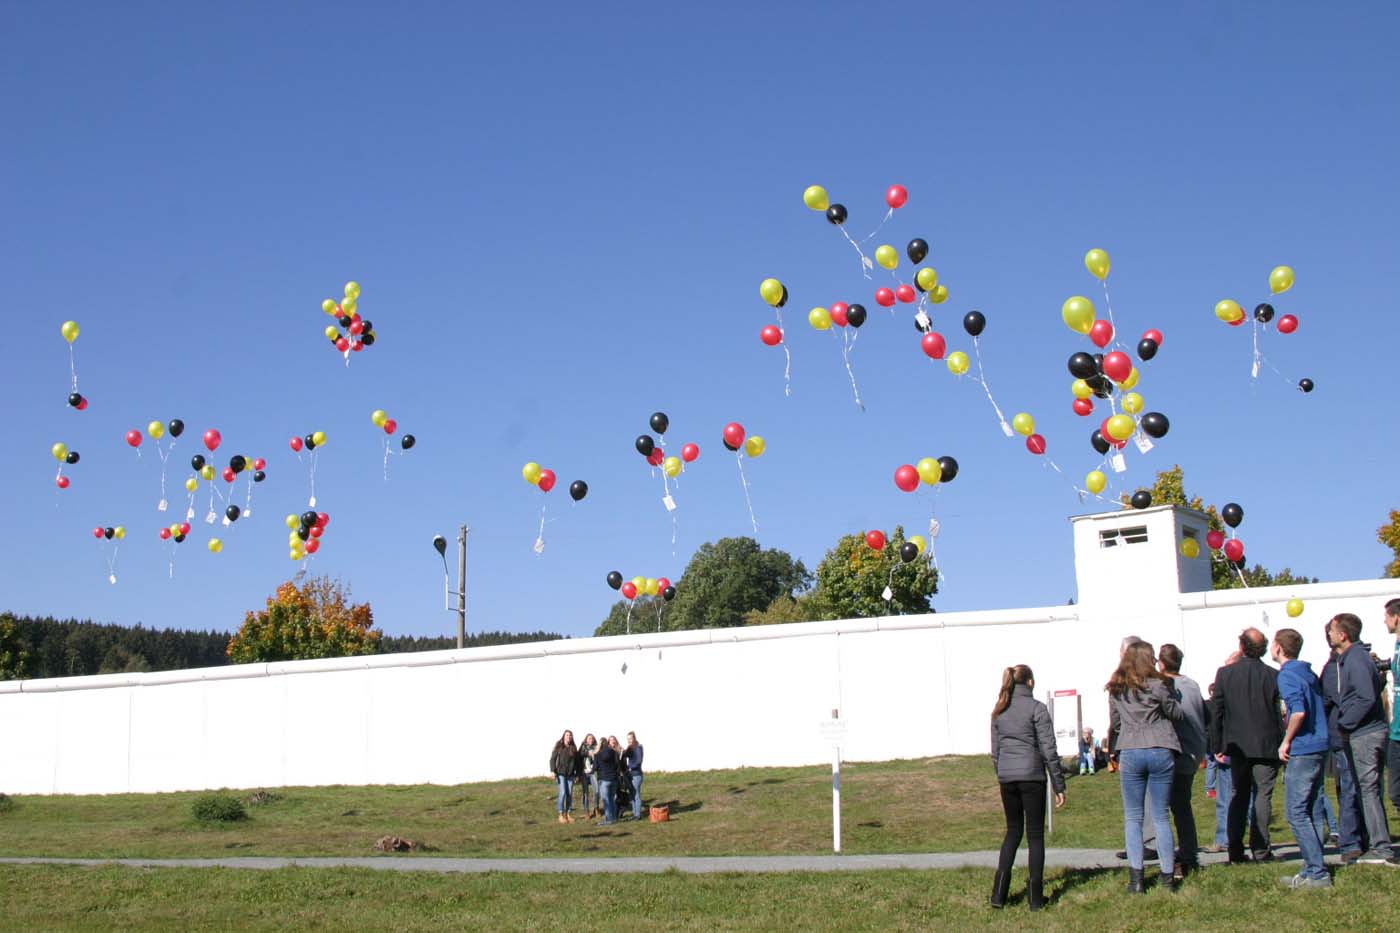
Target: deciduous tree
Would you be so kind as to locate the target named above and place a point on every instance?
(306, 619)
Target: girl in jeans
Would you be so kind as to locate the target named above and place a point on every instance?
(1141, 712)
(588, 777)
(563, 761)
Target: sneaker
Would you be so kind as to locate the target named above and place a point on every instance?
(1375, 858)
(1217, 848)
(1091, 770)
(1083, 771)
(1262, 856)
(1300, 883)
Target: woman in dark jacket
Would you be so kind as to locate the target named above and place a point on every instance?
(563, 761)
(1023, 751)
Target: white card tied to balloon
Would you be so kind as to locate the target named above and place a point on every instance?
(1143, 443)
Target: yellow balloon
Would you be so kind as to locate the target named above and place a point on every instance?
(291, 522)
(320, 438)
(379, 416)
(1132, 403)
(296, 554)
(671, 466)
(640, 583)
(1228, 310)
(1023, 424)
(294, 540)
(938, 294)
(918, 542)
(930, 471)
(1080, 388)
(815, 197)
(352, 290)
(1132, 380)
(1190, 549)
(1294, 607)
(191, 484)
(754, 445)
(772, 291)
(69, 330)
(207, 472)
(215, 545)
(328, 306)
(957, 361)
(119, 532)
(1078, 313)
(819, 318)
(349, 305)
(175, 529)
(531, 472)
(332, 333)
(59, 451)
(887, 256)
(652, 586)
(1281, 280)
(1095, 481)
(156, 430)
(1096, 261)
(927, 278)
(1121, 427)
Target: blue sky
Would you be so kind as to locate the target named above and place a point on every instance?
(560, 218)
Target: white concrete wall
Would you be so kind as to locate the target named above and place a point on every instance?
(909, 686)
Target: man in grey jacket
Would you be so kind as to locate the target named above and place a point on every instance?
(1361, 720)
(1191, 731)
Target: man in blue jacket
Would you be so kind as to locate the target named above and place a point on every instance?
(1304, 749)
(1361, 719)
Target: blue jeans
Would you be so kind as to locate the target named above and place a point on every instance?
(566, 792)
(1302, 785)
(588, 784)
(1148, 772)
(1211, 768)
(1086, 760)
(1224, 790)
(1323, 815)
(607, 792)
(636, 777)
(1351, 830)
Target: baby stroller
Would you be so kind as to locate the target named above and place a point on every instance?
(624, 793)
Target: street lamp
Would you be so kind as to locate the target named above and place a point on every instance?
(440, 545)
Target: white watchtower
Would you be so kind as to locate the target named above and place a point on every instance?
(1134, 555)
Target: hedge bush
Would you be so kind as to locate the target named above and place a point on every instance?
(218, 808)
(6, 804)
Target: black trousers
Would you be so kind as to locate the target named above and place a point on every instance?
(1258, 775)
(1024, 805)
(1183, 816)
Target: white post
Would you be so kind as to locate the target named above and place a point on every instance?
(836, 800)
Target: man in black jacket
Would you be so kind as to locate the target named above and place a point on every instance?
(1246, 727)
(1351, 831)
(1361, 719)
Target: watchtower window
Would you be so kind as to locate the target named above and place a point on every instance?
(1123, 536)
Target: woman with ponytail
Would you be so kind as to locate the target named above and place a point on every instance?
(1023, 753)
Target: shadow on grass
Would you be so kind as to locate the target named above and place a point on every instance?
(675, 806)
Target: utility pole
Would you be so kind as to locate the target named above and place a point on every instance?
(462, 586)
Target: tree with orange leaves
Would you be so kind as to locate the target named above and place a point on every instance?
(311, 618)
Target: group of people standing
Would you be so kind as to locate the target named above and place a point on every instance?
(1259, 721)
(603, 770)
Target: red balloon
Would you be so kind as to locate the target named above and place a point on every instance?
(661, 584)
(1117, 366)
(97, 532)
(547, 479)
(838, 313)
(734, 434)
(771, 336)
(355, 317)
(165, 534)
(357, 346)
(357, 327)
(212, 439)
(260, 464)
(934, 345)
(322, 519)
(629, 590)
(1215, 540)
(82, 406)
(1103, 432)
(655, 458)
(1153, 334)
(342, 344)
(690, 452)
(133, 438)
(906, 478)
(184, 528)
(1234, 549)
(390, 426)
(1240, 320)
(1101, 333)
(313, 546)
(228, 474)
(1287, 324)
(897, 196)
(884, 297)
(876, 539)
(1035, 444)
(316, 531)
(905, 293)
(295, 444)
(1083, 406)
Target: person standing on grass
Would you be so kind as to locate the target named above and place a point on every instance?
(1361, 719)
(1351, 825)
(632, 758)
(1086, 751)
(1304, 753)
(1247, 732)
(1142, 711)
(1191, 732)
(1023, 752)
(563, 761)
(1392, 755)
(606, 761)
(588, 775)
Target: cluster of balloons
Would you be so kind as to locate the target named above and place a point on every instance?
(734, 439)
(358, 332)
(642, 586)
(310, 441)
(928, 471)
(1232, 548)
(816, 198)
(382, 420)
(236, 464)
(306, 531)
(840, 314)
(1024, 424)
(63, 455)
(78, 400)
(157, 430)
(655, 454)
(925, 279)
(1280, 280)
(118, 532)
(909, 551)
(175, 532)
(538, 476)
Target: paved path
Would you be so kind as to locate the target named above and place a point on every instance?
(1054, 858)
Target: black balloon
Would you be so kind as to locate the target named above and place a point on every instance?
(728, 446)
(659, 422)
(176, 427)
(922, 325)
(75, 399)
(232, 513)
(310, 441)
(346, 320)
(366, 325)
(308, 518)
(783, 300)
(259, 476)
(669, 593)
(908, 551)
(367, 338)
(1305, 384)
(836, 214)
(1098, 363)
(916, 250)
(578, 489)
(1232, 514)
(974, 322)
(1155, 424)
(1098, 442)
(440, 544)
(1100, 384)
(1141, 499)
(303, 533)
(237, 463)
(108, 532)
(72, 457)
(949, 466)
(1081, 366)
(615, 580)
(645, 445)
(1264, 313)
(855, 315)
(179, 539)
(1239, 564)
(407, 441)
(1147, 349)
(197, 462)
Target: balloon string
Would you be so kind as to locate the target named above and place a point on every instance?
(386, 459)
(164, 456)
(539, 538)
(883, 220)
(189, 507)
(311, 458)
(248, 499)
(630, 604)
(112, 565)
(787, 370)
(865, 264)
(1108, 303)
(73, 367)
(889, 585)
(846, 344)
(658, 615)
(982, 378)
(743, 478)
(1254, 370)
